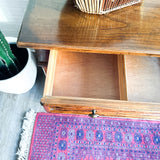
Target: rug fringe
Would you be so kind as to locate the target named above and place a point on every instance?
(26, 135)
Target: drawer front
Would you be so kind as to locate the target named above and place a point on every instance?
(112, 108)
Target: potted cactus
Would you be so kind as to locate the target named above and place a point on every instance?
(18, 68)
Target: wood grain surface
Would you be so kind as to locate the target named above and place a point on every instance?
(57, 24)
(113, 108)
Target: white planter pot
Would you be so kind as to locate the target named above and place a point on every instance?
(25, 79)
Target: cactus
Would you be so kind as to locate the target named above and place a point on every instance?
(9, 65)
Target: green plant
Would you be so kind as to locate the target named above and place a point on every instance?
(9, 65)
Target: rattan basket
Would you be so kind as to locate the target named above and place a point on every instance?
(103, 6)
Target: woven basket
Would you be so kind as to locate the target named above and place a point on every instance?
(103, 6)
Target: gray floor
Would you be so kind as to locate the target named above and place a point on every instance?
(13, 107)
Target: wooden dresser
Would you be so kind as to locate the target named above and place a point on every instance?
(109, 63)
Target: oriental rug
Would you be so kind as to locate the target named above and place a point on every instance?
(79, 137)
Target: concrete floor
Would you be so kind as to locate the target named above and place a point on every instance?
(13, 107)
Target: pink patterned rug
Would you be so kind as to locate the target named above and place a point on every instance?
(78, 137)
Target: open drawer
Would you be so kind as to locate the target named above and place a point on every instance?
(113, 85)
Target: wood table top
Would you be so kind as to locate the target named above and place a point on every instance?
(57, 24)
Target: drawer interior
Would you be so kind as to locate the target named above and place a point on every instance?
(104, 76)
(86, 75)
(143, 78)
